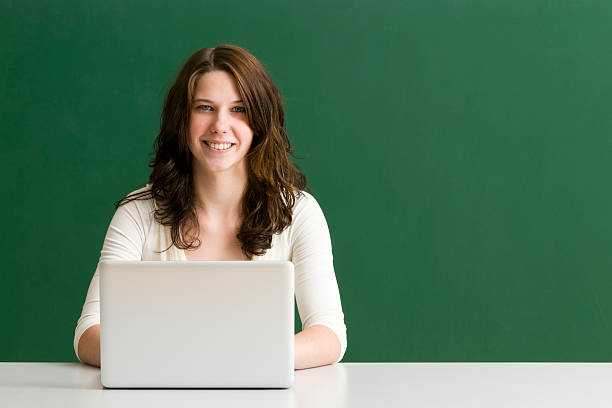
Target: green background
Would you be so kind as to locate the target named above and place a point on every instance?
(459, 149)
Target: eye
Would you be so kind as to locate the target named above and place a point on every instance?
(204, 107)
(240, 109)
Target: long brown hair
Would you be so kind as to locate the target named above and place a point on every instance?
(274, 182)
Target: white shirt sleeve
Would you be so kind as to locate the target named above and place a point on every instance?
(124, 240)
(316, 288)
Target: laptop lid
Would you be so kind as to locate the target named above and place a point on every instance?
(197, 324)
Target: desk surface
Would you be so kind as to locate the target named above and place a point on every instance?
(341, 385)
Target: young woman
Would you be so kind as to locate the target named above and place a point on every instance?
(223, 188)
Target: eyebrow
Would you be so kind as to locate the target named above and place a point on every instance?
(209, 101)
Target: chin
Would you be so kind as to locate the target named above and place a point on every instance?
(220, 167)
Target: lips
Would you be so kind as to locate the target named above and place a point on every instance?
(218, 146)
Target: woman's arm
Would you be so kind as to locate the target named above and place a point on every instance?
(89, 346)
(316, 290)
(124, 240)
(316, 346)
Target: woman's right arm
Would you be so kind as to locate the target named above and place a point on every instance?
(89, 346)
(124, 240)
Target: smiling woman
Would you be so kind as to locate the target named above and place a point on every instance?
(223, 187)
(220, 135)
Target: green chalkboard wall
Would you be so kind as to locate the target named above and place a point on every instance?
(461, 151)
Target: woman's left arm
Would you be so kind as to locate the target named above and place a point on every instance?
(316, 346)
(323, 338)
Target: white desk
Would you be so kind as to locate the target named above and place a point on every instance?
(342, 385)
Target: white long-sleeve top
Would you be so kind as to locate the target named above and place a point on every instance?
(133, 234)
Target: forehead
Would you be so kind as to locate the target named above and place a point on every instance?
(216, 85)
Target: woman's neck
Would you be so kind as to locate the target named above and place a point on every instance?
(218, 196)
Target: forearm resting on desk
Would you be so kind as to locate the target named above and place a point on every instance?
(89, 346)
(314, 347)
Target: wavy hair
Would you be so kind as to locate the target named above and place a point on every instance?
(274, 182)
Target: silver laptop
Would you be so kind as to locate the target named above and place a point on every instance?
(197, 324)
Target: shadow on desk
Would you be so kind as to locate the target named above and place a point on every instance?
(67, 384)
(53, 375)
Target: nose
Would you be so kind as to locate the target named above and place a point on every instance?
(220, 124)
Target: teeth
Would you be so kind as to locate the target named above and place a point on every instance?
(219, 146)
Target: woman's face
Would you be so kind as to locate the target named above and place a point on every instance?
(219, 133)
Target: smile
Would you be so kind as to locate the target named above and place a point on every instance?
(219, 147)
